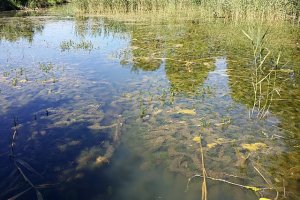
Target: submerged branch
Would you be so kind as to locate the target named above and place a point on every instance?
(204, 188)
(253, 188)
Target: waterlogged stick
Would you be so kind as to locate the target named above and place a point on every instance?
(204, 188)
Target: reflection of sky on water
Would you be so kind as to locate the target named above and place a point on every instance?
(45, 47)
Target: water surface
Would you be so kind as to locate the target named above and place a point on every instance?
(93, 108)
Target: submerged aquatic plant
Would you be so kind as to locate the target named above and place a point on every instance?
(6, 74)
(187, 111)
(204, 176)
(14, 81)
(264, 77)
(46, 72)
(142, 107)
(254, 147)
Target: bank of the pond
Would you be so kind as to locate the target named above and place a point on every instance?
(6, 5)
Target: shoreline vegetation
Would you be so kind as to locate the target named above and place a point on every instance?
(8, 5)
(236, 10)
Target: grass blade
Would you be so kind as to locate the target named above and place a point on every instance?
(247, 35)
(27, 166)
(20, 194)
(47, 185)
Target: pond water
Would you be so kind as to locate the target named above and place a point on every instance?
(94, 108)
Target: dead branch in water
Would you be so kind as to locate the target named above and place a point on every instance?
(253, 188)
(204, 188)
(270, 185)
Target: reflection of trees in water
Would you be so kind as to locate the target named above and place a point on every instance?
(86, 26)
(284, 105)
(147, 49)
(186, 72)
(13, 29)
(184, 49)
(186, 69)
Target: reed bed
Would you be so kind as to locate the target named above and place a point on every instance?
(229, 9)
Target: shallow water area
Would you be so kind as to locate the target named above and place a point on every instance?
(95, 108)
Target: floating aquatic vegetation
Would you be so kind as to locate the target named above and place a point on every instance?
(187, 112)
(212, 145)
(70, 44)
(197, 139)
(254, 146)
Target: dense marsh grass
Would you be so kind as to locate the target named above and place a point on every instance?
(230, 9)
